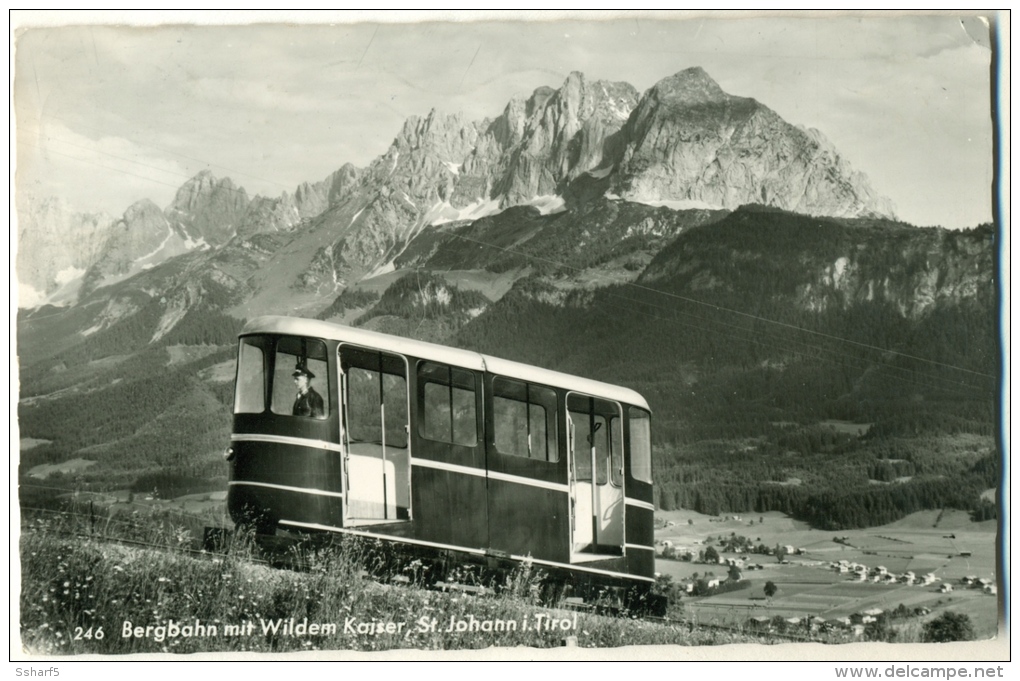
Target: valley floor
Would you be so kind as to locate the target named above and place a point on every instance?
(944, 544)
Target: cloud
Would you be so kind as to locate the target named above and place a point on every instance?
(55, 160)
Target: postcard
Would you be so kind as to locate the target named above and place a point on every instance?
(480, 335)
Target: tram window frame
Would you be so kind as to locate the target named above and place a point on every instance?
(608, 434)
(616, 451)
(288, 353)
(378, 367)
(250, 384)
(539, 406)
(640, 441)
(456, 390)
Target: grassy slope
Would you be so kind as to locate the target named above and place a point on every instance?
(69, 583)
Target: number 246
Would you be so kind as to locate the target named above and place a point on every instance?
(88, 634)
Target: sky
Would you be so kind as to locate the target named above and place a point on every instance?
(108, 113)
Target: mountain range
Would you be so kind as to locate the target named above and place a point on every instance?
(683, 144)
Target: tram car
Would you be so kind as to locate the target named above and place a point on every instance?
(343, 430)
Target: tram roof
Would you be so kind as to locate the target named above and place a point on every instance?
(297, 326)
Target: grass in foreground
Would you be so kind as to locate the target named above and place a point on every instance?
(81, 596)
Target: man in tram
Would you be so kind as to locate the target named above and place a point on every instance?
(308, 402)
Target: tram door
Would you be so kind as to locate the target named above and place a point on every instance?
(374, 436)
(595, 442)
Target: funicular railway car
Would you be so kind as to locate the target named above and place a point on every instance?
(440, 448)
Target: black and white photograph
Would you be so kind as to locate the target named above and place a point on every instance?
(649, 335)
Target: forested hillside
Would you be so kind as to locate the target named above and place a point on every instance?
(744, 335)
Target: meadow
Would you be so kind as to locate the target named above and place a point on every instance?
(151, 593)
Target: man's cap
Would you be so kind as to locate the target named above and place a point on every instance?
(302, 371)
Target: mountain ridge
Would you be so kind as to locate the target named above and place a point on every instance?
(555, 148)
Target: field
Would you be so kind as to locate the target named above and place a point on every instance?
(926, 542)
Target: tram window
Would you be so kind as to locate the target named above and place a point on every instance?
(640, 445)
(448, 410)
(591, 430)
(250, 391)
(364, 387)
(524, 417)
(309, 355)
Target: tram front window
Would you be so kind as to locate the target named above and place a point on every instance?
(250, 389)
(301, 378)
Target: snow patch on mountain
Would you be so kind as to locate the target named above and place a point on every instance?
(443, 212)
(193, 244)
(682, 204)
(28, 296)
(548, 204)
(68, 275)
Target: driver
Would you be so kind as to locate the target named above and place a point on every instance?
(308, 402)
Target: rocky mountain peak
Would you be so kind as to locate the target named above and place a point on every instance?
(141, 210)
(690, 86)
(557, 135)
(536, 103)
(139, 240)
(688, 141)
(447, 135)
(207, 209)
